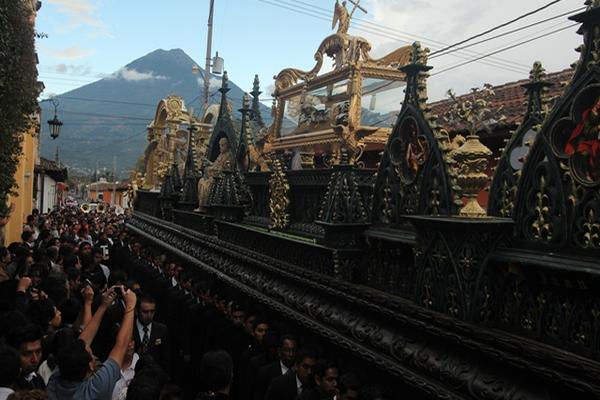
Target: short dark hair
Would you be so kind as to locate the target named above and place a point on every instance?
(117, 276)
(41, 312)
(26, 235)
(69, 261)
(322, 366)
(10, 366)
(349, 381)
(73, 361)
(145, 298)
(258, 321)
(72, 273)
(271, 340)
(70, 310)
(24, 334)
(216, 370)
(3, 252)
(305, 353)
(285, 337)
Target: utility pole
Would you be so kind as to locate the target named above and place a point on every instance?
(113, 202)
(208, 56)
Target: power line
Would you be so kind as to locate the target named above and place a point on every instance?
(495, 28)
(512, 64)
(411, 36)
(506, 65)
(504, 49)
(105, 115)
(105, 101)
(509, 32)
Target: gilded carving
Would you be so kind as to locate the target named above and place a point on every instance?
(167, 140)
(279, 201)
(472, 157)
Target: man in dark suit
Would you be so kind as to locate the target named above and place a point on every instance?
(151, 337)
(326, 386)
(286, 352)
(296, 381)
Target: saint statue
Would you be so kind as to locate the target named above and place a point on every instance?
(211, 170)
(585, 141)
(341, 17)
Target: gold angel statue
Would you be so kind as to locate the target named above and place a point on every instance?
(341, 17)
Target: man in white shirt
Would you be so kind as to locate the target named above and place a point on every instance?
(286, 353)
(127, 372)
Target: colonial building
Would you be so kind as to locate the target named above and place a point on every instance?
(50, 184)
(104, 191)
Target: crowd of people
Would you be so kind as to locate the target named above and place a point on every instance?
(88, 311)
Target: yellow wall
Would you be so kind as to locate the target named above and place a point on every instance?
(23, 203)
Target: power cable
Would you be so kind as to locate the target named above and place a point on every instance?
(104, 115)
(510, 32)
(411, 36)
(504, 49)
(495, 28)
(511, 66)
(105, 101)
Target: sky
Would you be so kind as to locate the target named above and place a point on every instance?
(90, 39)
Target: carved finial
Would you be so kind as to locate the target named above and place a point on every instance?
(256, 87)
(256, 116)
(536, 88)
(225, 81)
(538, 72)
(416, 77)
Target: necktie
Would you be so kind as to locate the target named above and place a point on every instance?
(145, 340)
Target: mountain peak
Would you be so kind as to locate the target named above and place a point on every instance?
(112, 119)
(164, 62)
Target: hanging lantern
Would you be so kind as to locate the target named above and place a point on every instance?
(55, 124)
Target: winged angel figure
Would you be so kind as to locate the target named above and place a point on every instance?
(341, 17)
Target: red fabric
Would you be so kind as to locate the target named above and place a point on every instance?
(591, 146)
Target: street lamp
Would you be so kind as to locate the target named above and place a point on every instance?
(54, 124)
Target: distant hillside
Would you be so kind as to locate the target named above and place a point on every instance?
(109, 117)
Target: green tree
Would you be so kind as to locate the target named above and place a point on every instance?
(18, 89)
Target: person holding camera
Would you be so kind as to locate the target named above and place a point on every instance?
(76, 377)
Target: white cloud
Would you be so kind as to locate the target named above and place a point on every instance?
(71, 53)
(402, 22)
(82, 11)
(135, 75)
(214, 85)
(82, 70)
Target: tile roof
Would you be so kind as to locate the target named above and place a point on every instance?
(49, 165)
(104, 186)
(512, 97)
(56, 171)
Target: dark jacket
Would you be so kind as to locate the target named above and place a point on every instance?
(158, 345)
(283, 388)
(266, 374)
(314, 394)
